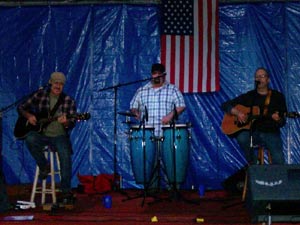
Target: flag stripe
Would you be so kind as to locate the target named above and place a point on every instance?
(208, 60)
(190, 68)
(192, 60)
(181, 69)
(199, 42)
(215, 49)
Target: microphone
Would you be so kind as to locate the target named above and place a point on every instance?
(48, 85)
(146, 114)
(175, 113)
(257, 82)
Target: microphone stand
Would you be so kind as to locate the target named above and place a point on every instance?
(251, 146)
(144, 159)
(7, 108)
(174, 148)
(116, 182)
(16, 103)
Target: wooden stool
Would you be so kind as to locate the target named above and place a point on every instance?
(261, 161)
(50, 153)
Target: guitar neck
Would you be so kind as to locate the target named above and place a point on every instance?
(22, 126)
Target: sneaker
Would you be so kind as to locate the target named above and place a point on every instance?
(44, 172)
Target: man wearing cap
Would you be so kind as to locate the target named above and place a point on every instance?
(51, 102)
(159, 98)
(156, 104)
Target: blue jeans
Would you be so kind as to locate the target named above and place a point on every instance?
(271, 141)
(36, 143)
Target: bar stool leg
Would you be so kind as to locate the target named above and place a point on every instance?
(245, 187)
(43, 190)
(53, 173)
(44, 184)
(52, 178)
(34, 186)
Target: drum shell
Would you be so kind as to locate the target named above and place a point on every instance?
(178, 154)
(137, 153)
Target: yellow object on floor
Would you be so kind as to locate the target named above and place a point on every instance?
(154, 219)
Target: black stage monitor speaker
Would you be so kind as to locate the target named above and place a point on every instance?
(274, 193)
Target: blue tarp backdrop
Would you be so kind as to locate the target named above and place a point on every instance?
(101, 47)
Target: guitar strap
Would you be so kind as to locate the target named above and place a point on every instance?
(267, 102)
(58, 103)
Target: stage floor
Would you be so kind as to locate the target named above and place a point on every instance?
(135, 207)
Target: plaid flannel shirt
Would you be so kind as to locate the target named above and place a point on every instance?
(39, 104)
(159, 102)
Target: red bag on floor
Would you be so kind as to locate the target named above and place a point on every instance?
(96, 184)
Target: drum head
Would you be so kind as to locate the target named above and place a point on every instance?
(183, 125)
(138, 127)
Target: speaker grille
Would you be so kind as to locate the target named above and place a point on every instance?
(274, 190)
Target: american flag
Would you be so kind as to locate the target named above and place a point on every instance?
(189, 44)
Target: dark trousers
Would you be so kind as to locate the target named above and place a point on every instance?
(4, 204)
(36, 144)
(272, 141)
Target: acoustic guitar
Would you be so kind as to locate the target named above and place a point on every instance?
(23, 127)
(231, 125)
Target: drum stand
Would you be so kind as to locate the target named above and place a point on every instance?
(144, 193)
(175, 194)
(157, 170)
(158, 167)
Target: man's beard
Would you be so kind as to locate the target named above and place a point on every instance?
(156, 80)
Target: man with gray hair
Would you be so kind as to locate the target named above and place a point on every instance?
(53, 103)
(258, 116)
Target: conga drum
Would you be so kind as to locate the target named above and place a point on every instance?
(141, 165)
(175, 151)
